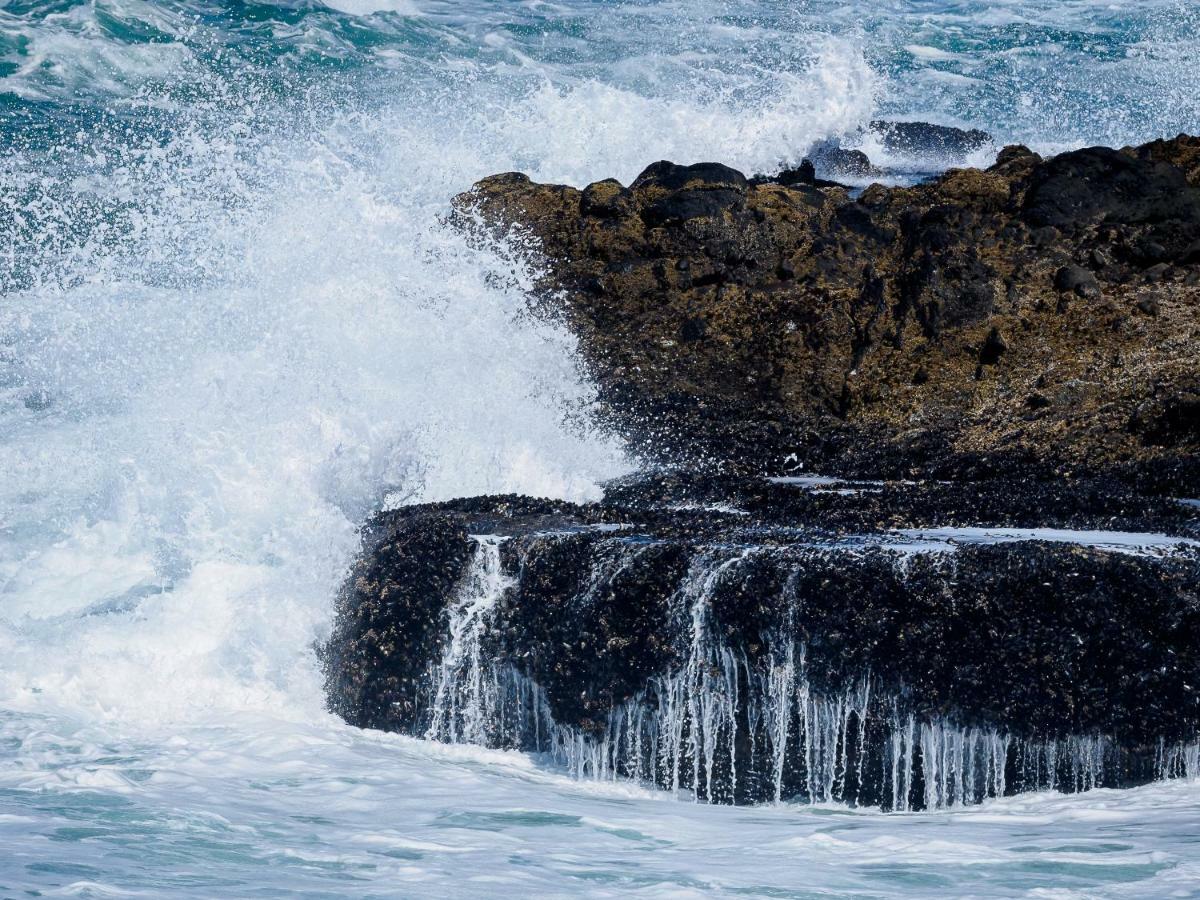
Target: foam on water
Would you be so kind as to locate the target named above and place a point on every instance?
(200, 454)
(1115, 541)
(280, 808)
(227, 341)
(369, 7)
(233, 323)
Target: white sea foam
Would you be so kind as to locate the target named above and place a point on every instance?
(369, 7)
(329, 810)
(233, 323)
(209, 391)
(1116, 541)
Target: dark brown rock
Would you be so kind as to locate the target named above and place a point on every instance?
(744, 322)
(1148, 305)
(1078, 280)
(842, 162)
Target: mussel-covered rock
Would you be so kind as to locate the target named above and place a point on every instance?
(754, 655)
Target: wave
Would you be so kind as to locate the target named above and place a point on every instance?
(235, 322)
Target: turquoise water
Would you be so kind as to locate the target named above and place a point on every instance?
(233, 323)
(256, 807)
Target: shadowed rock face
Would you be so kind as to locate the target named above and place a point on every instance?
(1021, 341)
(392, 628)
(1037, 318)
(746, 658)
(922, 139)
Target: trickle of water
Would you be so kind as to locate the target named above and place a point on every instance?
(466, 696)
(1180, 759)
(722, 727)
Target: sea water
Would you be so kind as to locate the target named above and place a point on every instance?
(233, 322)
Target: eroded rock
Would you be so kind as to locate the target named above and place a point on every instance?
(737, 323)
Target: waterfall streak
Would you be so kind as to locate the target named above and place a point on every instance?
(724, 725)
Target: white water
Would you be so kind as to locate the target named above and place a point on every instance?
(1132, 542)
(312, 810)
(229, 334)
(464, 704)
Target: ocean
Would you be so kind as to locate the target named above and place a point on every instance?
(234, 321)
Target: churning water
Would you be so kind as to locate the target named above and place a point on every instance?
(232, 322)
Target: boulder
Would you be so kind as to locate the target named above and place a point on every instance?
(926, 141)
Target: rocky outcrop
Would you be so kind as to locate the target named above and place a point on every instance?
(1038, 318)
(744, 657)
(1013, 605)
(936, 143)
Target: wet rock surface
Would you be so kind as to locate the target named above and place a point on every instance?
(935, 142)
(1039, 318)
(658, 635)
(994, 587)
(392, 615)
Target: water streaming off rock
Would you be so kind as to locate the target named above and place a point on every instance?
(728, 723)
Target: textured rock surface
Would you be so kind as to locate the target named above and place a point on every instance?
(705, 624)
(390, 619)
(1013, 348)
(1040, 317)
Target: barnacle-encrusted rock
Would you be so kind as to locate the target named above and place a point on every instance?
(1038, 317)
(766, 653)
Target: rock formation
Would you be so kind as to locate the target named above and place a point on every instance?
(743, 660)
(1038, 317)
(1014, 603)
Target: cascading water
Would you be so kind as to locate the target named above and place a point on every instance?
(465, 699)
(723, 727)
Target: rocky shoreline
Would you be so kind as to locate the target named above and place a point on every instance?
(1037, 318)
(994, 584)
(627, 639)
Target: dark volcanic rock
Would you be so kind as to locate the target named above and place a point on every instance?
(1078, 280)
(745, 657)
(1082, 189)
(935, 142)
(738, 324)
(841, 162)
(391, 613)
(1021, 341)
